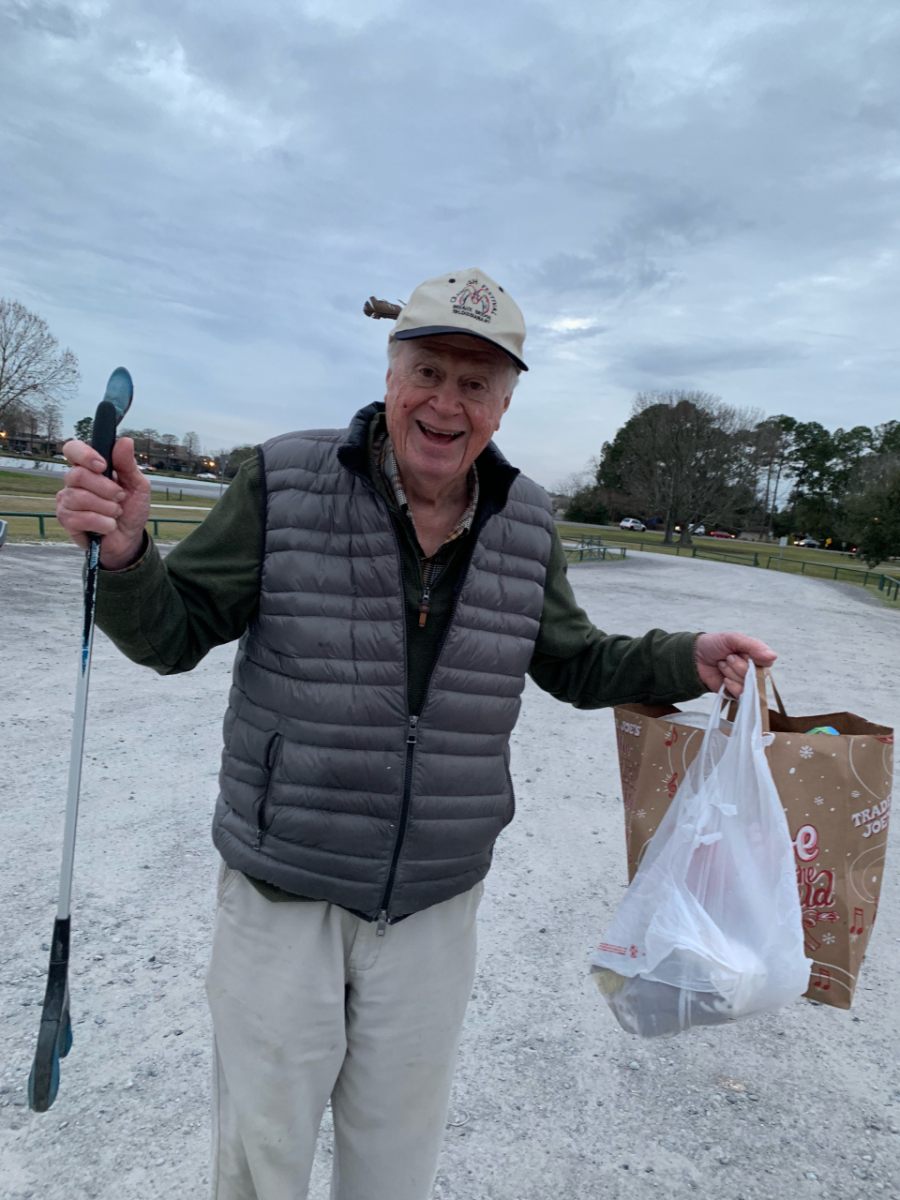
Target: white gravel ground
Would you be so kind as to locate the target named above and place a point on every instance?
(552, 1100)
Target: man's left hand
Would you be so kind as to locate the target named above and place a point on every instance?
(724, 657)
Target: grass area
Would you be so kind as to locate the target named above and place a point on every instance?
(22, 493)
(818, 564)
(27, 528)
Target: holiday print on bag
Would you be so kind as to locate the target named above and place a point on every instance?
(836, 793)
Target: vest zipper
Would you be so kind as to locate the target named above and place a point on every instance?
(271, 760)
(426, 593)
(411, 738)
(411, 735)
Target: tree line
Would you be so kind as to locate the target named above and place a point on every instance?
(687, 458)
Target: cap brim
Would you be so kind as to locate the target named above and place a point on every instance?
(436, 330)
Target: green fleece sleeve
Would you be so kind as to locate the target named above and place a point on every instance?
(576, 662)
(168, 614)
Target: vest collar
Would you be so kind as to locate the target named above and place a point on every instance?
(495, 473)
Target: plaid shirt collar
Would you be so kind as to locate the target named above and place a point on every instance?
(387, 461)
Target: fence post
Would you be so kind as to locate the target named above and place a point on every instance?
(694, 552)
(803, 568)
(155, 526)
(41, 524)
(180, 494)
(756, 558)
(167, 493)
(881, 583)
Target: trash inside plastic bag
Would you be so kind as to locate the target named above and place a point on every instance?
(710, 929)
(652, 1009)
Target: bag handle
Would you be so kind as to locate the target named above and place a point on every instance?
(762, 674)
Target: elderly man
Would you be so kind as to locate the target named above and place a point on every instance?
(392, 584)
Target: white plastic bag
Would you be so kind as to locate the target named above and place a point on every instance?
(710, 929)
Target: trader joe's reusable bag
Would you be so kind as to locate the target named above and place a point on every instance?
(836, 793)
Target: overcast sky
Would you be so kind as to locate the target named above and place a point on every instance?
(677, 195)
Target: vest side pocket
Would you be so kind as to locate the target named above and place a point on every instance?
(511, 803)
(263, 816)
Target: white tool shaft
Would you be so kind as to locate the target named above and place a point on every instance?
(81, 698)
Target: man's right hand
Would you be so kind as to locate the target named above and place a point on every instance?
(117, 508)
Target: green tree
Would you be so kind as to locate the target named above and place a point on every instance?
(826, 467)
(873, 519)
(587, 505)
(236, 457)
(887, 437)
(84, 429)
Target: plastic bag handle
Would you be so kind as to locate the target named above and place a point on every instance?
(762, 674)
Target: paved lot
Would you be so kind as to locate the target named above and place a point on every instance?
(552, 1100)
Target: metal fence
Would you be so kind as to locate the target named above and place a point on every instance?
(592, 549)
(889, 585)
(154, 521)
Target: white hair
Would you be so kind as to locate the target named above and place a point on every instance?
(395, 345)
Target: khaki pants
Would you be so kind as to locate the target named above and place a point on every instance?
(308, 1004)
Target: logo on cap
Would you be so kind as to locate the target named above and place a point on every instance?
(475, 300)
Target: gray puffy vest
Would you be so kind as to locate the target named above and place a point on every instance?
(329, 789)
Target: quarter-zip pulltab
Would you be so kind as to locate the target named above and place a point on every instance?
(382, 923)
(411, 736)
(427, 572)
(423, 607)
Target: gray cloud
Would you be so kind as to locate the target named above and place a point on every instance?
(208, 193)
(700, 359)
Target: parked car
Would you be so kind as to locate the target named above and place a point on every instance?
(632, 523)
(810, 543)
(698, 529)
(721, 533)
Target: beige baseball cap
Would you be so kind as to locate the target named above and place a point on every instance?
(469, 302)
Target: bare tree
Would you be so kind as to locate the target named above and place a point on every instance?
(143, 439)
(679, 455)
(32, 371)
(169, 440)
(191, 443)
(51, 415)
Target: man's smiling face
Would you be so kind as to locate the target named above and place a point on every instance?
(445, 399)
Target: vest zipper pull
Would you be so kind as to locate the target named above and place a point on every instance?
(382, 923)
(411, 736)
(423, 607)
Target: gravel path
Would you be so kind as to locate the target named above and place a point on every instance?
(552, 1100)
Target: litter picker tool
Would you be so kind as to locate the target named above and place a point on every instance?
(55, 1033)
